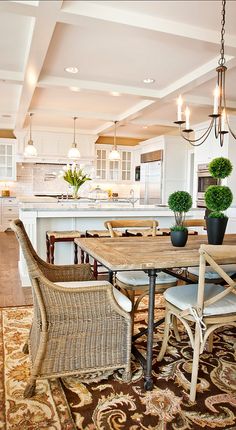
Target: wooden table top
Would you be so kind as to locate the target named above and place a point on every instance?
(142, 253)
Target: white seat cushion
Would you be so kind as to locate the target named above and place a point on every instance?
(185, 296)
(210, 273)
(141, 278)
(121, 299)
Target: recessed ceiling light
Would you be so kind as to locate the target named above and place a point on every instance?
(148, 81)
(71, 69)
(145, 126)
(74, 89)
(115, 93)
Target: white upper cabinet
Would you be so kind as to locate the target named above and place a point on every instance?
(109, 170)
(7, 160)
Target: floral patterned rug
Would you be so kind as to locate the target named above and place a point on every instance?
(112, 405)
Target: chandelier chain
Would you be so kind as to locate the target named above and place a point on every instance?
(222, 50)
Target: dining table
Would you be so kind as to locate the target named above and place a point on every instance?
(150, 254)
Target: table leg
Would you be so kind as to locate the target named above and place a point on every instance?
(148, 384)
(110, 277)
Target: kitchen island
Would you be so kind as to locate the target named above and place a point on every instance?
(40, 216)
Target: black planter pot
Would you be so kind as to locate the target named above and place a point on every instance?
(179, 237)
(216, 230)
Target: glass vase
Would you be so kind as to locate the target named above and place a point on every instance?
(75, 192)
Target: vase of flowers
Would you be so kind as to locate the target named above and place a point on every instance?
(75, 177)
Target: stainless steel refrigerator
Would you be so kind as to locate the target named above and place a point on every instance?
(151, 183)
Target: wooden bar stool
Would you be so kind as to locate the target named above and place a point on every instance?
(94, 234)
(61, 236)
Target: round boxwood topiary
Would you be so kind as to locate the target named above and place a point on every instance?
(180, 202)
(218, 198)
(220, 167)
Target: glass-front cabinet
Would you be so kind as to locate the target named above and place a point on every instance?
(7, 160)
(113, 170)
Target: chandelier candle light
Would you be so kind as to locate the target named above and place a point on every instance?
(114, 154)
(30, 150)
(219, 119)
(73, 152)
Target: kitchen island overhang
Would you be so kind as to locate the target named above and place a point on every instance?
(41, 217)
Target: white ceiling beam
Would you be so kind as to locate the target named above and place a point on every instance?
(41, 37)
(26, 9)
(194, 78)
(72, 10)
(103, 116)
(150, 123)
(134, 110)
(11, 77)
(53, 81)
(64, 130)
(205, 101)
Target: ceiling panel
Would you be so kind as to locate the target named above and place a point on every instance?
(115, 53)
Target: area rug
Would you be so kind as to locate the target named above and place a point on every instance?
(68, 404)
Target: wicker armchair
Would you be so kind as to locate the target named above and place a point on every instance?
(78, 327)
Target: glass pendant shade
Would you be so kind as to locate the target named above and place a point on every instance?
(74, 152)
(30, 150)
(114, 154)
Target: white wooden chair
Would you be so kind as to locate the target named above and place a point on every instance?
(209, 306)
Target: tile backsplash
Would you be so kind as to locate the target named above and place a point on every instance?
(43, 179)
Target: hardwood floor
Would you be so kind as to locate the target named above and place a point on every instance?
(11, 292)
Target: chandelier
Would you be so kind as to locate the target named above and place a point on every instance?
(219, 119)
(73, 152)
(30, 150)
(114, 154)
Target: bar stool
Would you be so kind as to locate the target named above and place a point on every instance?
(61, 236)
(94, 234)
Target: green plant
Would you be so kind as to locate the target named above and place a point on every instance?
(219, 197)
(178, 228)
(180, 202)
(74, 176)
(220, 167)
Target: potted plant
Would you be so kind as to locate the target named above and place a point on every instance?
(218, 198)
(75, 177)
(179, 202)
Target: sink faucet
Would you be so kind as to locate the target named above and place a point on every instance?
(131, 193)
(132, 199)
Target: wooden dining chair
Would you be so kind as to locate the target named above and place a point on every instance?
(194, 222)
(208, 306)
(145, 227)
(80, 326)
(136, 283)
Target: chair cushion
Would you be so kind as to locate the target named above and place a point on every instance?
(63, 234)
(210, 273)
(141, 278)
(121, 299)
(185, 296)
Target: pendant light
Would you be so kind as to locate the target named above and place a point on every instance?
(73, 152)
(114, 154)
(30, 150)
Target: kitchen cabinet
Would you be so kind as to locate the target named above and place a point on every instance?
(7, 160)
(113, 170)
(9, 211)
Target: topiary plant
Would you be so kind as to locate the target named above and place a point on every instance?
(218, 198)
(220, 167)
(179, 202)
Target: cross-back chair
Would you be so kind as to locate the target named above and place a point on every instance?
(80, 326)
(208, 306)
(146, 226)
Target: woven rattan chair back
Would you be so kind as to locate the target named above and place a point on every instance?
(75, 330)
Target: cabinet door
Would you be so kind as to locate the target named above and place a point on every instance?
(101, 164)
(113, 170)
(7, 161)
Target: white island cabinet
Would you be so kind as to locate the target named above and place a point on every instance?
(40, 217)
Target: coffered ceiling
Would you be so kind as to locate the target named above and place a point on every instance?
(115, 45)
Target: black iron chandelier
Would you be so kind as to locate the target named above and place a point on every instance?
(219, 119)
